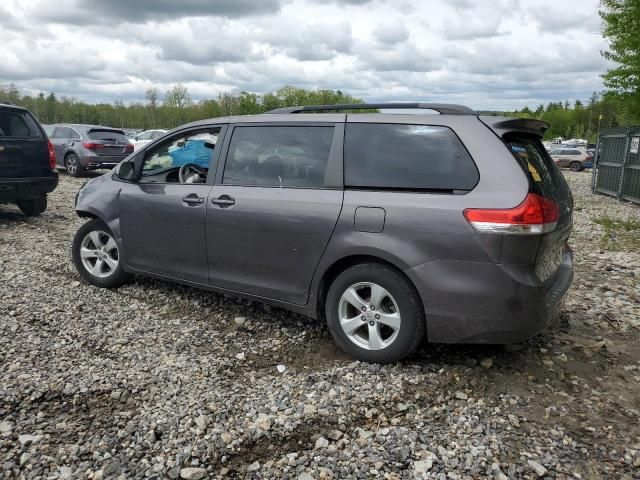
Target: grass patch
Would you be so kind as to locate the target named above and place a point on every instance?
(619, 235)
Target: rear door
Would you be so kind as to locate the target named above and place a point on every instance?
(23, 146)
(274, 207)
(60, 139)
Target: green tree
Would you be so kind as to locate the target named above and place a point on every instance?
(621, 19)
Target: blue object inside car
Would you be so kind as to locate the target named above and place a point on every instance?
(193, 151)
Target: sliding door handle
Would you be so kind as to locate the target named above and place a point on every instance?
(223, 201)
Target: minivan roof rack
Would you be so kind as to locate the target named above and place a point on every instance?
(442, 108)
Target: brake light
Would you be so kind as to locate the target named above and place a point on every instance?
(128, 148)
(52, 156)
(536, 214)
(92, 145)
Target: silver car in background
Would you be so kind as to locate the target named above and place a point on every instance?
(88, 147)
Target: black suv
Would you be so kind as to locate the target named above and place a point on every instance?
(27, 161)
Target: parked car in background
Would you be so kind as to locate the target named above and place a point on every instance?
(146, 137)
(27, 161)
(131, 132)
(575, 158)
(88, 147)
(48, 129)
(389, 227)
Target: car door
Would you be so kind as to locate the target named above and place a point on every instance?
(162, 217)
(59, 139)
(274, 207)
(563, 158)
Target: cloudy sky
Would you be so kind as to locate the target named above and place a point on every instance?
(490, 54)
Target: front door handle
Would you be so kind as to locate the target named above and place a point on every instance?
(192, 199)
(223, 201)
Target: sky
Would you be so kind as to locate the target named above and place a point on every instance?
(490, 54)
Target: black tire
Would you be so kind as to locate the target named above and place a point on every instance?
(575, 166)
(73, 165)
(115, 277)
(33, 207)
(412, 324)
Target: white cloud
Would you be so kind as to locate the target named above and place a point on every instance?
(495, 54)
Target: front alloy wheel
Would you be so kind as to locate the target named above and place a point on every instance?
(99, 254)
(97, 257)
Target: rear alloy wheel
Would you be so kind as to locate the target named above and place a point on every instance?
(575, 166)
(97, 257)
(73, 165)
(33, 207)
(374, 313)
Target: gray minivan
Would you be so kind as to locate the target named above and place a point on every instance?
(390, 227)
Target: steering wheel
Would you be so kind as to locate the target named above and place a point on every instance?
(189, 168)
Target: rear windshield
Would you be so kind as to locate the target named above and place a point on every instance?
(107, 135)
(18, 124)
(536, 163)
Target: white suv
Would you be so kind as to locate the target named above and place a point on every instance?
(146, 137)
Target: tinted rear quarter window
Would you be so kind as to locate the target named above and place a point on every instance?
(407, 157)
(18, 124)
(107, 135)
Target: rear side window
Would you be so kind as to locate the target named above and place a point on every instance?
(107, 135)
(18, 125)
(407, 157)
(536, 163)
(269, 156)
(62, 132)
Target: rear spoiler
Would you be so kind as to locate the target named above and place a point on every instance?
(504, 125)
(105, 129)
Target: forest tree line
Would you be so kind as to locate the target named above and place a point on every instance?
(173, 108)
(576, 119)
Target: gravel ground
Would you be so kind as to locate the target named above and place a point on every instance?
(155, 380)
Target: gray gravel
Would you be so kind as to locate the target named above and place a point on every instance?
(155, 380)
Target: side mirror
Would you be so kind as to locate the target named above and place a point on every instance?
(127, 171)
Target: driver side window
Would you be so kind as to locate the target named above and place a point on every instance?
(181, 159)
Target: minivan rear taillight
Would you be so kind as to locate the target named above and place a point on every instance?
(52, 156)
(128, 148)
(536, 214)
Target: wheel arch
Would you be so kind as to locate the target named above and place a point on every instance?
(70, 151)
(342, 264)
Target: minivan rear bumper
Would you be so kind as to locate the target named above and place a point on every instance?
(474, 302)
(12, 189)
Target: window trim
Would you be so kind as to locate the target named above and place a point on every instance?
(140, 157)
(334, 173)
(73, 130)
(422, 191)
